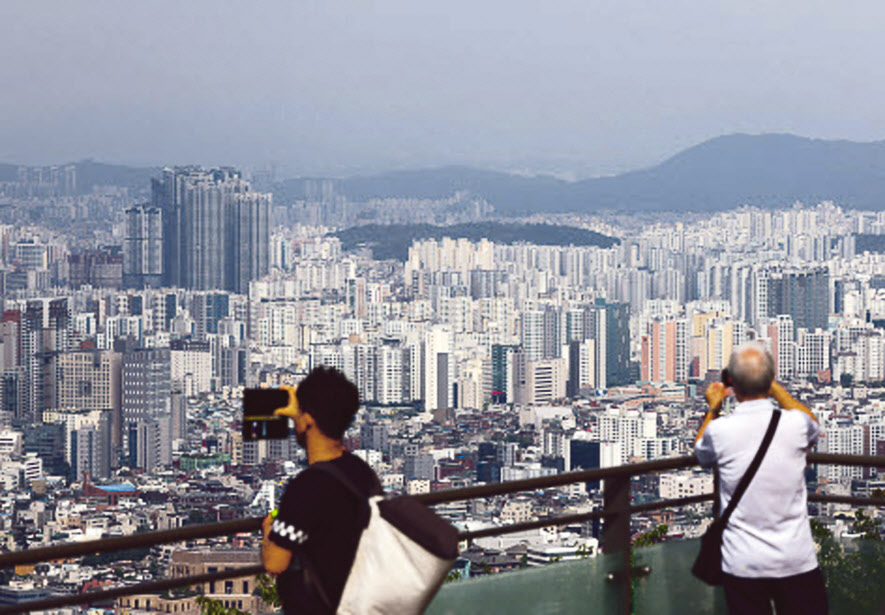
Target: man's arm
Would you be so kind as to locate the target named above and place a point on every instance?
(787, 401)
(715, 394)
(275, 558)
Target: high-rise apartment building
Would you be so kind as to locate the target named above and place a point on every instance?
(615, 352)
(35, 333)
(607, 324)
(191, 366)
(812, 352)
(439, 368)
(215, 229)
(779, 335)
(666, 350)
(804, 294)
(90, 447)
(541, 333)
(502, 364)
(143, 247)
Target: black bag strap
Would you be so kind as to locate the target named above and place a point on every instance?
(312, 580)
(330, 469)
(751, 471)
(311, 577)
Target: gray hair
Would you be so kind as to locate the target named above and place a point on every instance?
(751, 369)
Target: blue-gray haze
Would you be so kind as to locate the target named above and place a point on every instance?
(336, 87)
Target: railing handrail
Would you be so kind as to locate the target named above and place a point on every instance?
(133, 541)
(863, 461)
(226, 528)
(211, 530)
(557, 480)
(130, 590)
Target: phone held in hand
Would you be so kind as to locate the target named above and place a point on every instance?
(259, 423)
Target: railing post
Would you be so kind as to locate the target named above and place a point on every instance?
(616, 534)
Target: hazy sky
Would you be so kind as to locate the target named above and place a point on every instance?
(337, 87)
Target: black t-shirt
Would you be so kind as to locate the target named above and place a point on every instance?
(320, 519)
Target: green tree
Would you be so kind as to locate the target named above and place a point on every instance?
(651, 537)
(211, 606)
(854, 575)
(265, 588)
(866, 526)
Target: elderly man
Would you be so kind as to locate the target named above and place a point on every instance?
(768, 555)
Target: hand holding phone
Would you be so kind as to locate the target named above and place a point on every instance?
(292, 406)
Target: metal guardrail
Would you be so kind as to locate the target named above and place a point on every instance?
(133, 541)
(616, 513)
(119, 592)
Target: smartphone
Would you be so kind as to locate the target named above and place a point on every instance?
(259, 423)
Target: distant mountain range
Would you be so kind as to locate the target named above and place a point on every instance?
(726, 172)
(765, 170)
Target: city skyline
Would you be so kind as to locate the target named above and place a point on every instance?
(532, 235)
(497, 358)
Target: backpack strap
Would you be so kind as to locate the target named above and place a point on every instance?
(751, 470)
(331, 469)
(305, 563)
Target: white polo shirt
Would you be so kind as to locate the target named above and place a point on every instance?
(768, 534)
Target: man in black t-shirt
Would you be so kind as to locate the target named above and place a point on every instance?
(312, 541)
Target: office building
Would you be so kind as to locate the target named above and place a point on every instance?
(91, 380)
(147, 384)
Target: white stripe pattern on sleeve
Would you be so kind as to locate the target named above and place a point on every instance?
(288, 531)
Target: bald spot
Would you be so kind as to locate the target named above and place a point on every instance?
(752, 371)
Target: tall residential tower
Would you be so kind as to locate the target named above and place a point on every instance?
(215, 228)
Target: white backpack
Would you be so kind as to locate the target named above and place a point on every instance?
(403, 556)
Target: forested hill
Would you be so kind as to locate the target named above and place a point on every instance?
(869, 243)
(393, 241)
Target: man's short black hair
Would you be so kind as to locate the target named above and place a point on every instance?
(330, 398)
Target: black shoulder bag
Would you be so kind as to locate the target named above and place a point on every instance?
(708, 565)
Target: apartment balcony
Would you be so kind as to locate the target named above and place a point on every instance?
(623, 579)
